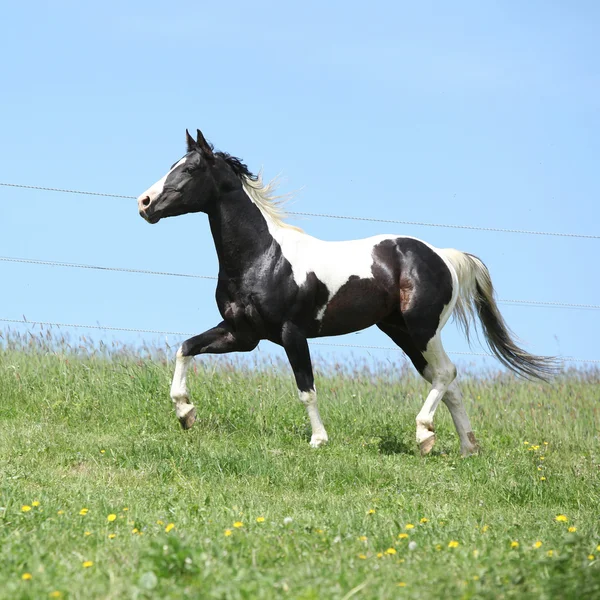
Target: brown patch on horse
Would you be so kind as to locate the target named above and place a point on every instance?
(407, 288)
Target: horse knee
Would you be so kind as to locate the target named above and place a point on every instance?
(445, 374)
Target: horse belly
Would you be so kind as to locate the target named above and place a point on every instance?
(358, 304)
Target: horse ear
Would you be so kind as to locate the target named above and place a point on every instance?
(204, 146)
(191, 144)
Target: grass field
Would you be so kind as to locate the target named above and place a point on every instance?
(103, 496)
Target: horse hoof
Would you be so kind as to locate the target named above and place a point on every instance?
(188, 419)
(317, 442)
(427, 445)
(472, 448)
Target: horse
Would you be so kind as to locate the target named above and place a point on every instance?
(280, 284)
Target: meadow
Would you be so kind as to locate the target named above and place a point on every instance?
(103, 496)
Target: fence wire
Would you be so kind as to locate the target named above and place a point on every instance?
(51, 263)
(331, 216)
(312, 342)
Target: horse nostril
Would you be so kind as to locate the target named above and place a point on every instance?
(146, 202)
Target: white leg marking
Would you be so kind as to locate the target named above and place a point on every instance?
(453, 400)
(179, 391)
(441, 372)
(319, 435)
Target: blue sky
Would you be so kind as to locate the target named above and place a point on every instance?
(465, 112)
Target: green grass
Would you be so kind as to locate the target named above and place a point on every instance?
(82, 430)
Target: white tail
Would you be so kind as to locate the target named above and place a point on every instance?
(476, 298)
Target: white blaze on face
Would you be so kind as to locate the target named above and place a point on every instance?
(155, 190)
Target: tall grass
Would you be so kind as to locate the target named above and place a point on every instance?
(83, 425)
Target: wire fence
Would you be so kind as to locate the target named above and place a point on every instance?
(533, 303)
(186, 334)
(51, 263)
(330, 216)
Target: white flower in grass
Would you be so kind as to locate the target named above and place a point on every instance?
(412, 545)
(287, 520)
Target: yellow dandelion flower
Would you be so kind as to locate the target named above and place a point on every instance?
(169, 527)
(112, 536)
(535, 447)
(542, 458)
(550, 553)
(539, 468)
(111, 518)
(438, 547)
(371, 511)
(25, 508)
(35, 503)
(60, 512)
(391, 551)
(26, 576)
(362, 538)
(526, 442)
(545, 443)
(538, 544)
(362, 556)
(453, 544)
(561, 518)
(319, 531)
(379, 554)
(401, 584)
(159, 522)
(84, 511)
(514, 544)
(591, 557)
(409, 526)
(87, 564)
(125, 509)
(102, 451)
(228, 532)
(135, 530)
(424, 520)
(485, 528)
(403, 536)
(238, 524)
(598, 547)
(542, 479)
(475, 577)
(55, 594)
(572, 529)
(87, 533)
(260, 519)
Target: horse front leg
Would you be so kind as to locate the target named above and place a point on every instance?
(296, 348)
(219, 340)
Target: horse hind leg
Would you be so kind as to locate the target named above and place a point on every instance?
(453, 400)
(435, 367)
(441, 372)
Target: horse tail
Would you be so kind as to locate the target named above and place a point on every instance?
(476, 297)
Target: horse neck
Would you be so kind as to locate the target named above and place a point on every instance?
(240, 233)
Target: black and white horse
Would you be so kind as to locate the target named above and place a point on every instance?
(277, 283)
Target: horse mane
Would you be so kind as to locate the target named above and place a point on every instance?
(262, 194)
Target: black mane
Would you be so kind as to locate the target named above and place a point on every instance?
(238, 167)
